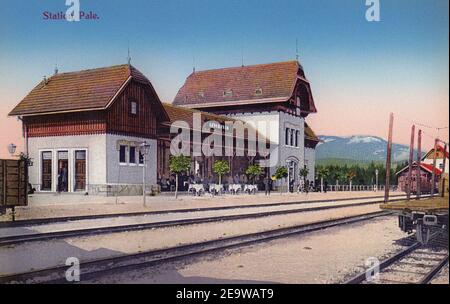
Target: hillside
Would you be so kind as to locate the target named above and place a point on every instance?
(357, 149)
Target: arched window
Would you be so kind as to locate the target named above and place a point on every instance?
(286, 140)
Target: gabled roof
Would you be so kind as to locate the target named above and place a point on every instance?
(309, 134)
(262, 83)
(426, 167)
(93, 89)
(183, 114)
(440, 148)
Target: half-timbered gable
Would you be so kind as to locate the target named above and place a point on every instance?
(134, 112)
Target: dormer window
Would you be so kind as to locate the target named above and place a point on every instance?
(133, 107)
(258, 91)
(227, 93)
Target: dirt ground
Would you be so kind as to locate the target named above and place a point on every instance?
(37, 255)
(327, 256)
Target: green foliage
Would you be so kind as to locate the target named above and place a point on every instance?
(179, 164)
(221, 167)
(304, 172)
(360, 174)
(254, 171)
(351, 175)
(281, 172)
(323, 172)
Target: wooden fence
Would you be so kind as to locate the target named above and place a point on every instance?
(13, 183)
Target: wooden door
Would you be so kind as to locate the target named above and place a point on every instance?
(46, 177)
(80, 170)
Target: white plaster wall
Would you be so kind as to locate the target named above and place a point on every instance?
(289, 152)
(278, 122)
(129, 174)
(271, 119)
(96, 157)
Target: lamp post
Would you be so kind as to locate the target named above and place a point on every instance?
(145, 149)
(376, 179)
(12, 149)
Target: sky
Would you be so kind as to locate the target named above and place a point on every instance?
(359, 71)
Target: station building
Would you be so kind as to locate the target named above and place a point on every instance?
(92, 123)
(276, 93)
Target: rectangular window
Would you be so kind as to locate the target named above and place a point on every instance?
(132, 155)
(122, 154)
(80, 155)
(292, 137)
(133, 108)
(286, 139)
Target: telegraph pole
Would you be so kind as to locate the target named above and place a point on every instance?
(410, 163)
(419, 159)
(443, 171)
(433, 175)
(388, 158)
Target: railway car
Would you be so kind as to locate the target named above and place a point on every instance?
(426, 218)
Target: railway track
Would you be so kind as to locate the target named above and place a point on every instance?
(92, 269)
(33, 237)
(416, 264)
(44, 221)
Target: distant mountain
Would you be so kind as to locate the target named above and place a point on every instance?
(359, 149)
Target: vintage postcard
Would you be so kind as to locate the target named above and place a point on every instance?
(228, 150)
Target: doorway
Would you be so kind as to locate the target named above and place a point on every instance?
(46, 171)
(80, 170)
(63, 171)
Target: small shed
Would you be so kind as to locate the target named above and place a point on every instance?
(426, 173)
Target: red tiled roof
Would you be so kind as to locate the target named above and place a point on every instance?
(426, 167)
(440, 148)
(430, 168)
(276, 82)
(79, 91)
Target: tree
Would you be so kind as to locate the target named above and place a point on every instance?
(322, 173)
(280, 173)
(304, 173)
(221, 167)
(179, 164)
(350, 176)
(254, 171)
